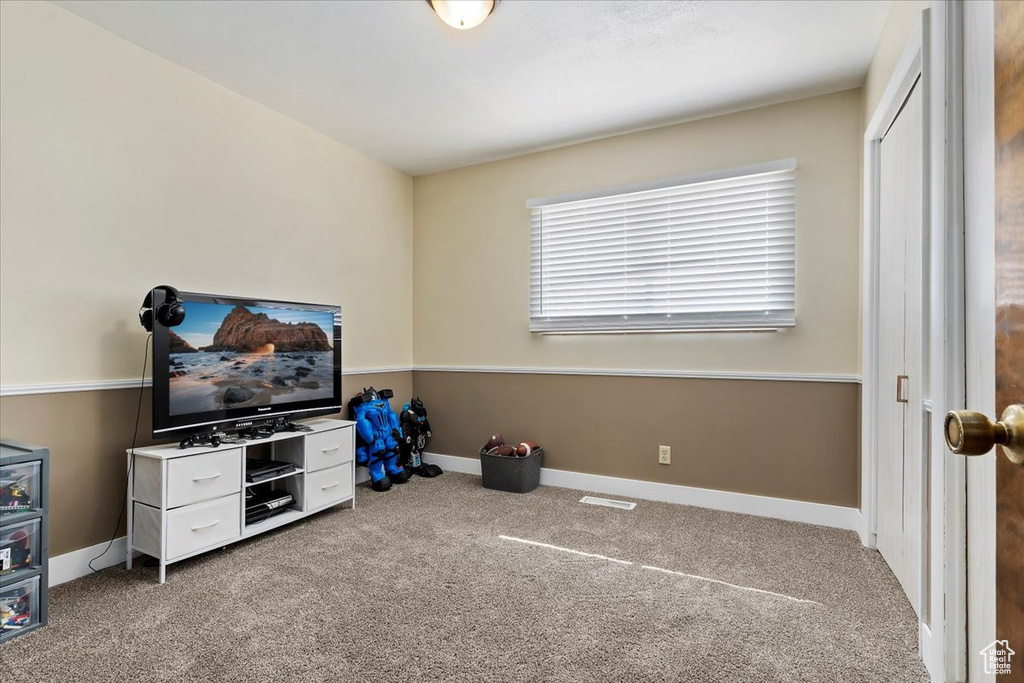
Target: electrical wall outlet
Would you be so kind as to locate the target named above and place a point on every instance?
(664, 455)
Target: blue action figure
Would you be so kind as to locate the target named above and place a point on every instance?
(378, 435)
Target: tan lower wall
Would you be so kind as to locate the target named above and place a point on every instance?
(87, 433)
(795, 440)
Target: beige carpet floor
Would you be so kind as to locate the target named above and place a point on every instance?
(442, 580)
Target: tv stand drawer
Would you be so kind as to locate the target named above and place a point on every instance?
(203, 477)
(203, 525)
(328, 449)
(176, 533)
(329, 486)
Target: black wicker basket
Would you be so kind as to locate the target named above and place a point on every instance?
(509, 473)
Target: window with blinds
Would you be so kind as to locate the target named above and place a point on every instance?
(714, 251)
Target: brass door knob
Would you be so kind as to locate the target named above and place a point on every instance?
(970, 433)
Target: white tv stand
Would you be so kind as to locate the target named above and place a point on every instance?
(184, 502)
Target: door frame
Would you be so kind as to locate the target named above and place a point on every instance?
(933, 53)
(980, 331)
(947, 656)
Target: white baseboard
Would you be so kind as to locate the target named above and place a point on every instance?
(456, 463)
(74, 565)
(835, 516)
(867, 537)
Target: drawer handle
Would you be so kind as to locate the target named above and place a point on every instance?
(332, 448)
(208, 476)
(206, 526)
(329, 486)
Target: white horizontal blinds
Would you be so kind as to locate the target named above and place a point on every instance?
(703, 254)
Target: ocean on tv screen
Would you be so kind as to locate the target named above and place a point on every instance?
(225, 356)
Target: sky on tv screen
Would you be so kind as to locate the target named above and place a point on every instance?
(202, 320)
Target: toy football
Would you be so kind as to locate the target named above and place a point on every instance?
(525, 448)
(494, 441)
(502, 450)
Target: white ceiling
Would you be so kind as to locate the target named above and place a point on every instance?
(388, 78)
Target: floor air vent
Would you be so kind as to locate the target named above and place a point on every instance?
(607, 502)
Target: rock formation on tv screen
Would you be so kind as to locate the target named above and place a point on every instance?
(179, 345)
(243, 331)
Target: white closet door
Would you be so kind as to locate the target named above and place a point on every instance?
(900, 464)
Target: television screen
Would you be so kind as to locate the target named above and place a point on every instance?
(234, 358)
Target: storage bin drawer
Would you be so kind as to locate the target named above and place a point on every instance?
(328, 486)
(19, 606)
(20, 487)
(203, 525)
(203, 477)
(328, 449)
(19, 549)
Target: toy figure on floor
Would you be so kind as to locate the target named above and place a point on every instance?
(415, 430)
(378, 437)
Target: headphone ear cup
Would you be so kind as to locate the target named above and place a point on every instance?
(172, 314)
(146, 312)
(169, 313)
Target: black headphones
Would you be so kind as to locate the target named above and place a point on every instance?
(168, 314)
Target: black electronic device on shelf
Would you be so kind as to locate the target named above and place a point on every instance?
(295, 427)
(261, 507)
(214, 439)
(255, 433)
(257, 471)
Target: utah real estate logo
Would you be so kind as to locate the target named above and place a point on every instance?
(997, 657)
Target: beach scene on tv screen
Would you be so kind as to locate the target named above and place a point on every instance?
(226, 356)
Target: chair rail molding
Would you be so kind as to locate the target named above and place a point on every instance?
(107, 384)
(629, 372)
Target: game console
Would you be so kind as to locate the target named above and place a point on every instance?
(262, 470)
(261, 507)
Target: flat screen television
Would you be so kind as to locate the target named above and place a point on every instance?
(236, 361)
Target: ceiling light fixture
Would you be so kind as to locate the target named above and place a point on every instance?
(463, 14)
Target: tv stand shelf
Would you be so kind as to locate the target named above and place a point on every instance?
(184, 502)
(270, 479)
(280, 519)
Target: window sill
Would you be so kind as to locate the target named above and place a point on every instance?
(686, 330)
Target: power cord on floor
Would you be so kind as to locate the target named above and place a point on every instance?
(131, 465)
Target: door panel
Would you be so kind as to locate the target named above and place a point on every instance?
(913, 447)
(900, 478)
(1009, 351)
(891, 358)
(892, 341)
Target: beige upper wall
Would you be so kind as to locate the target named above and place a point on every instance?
(472, 245)
(903, 18)
(121, 170)
(900, 23)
